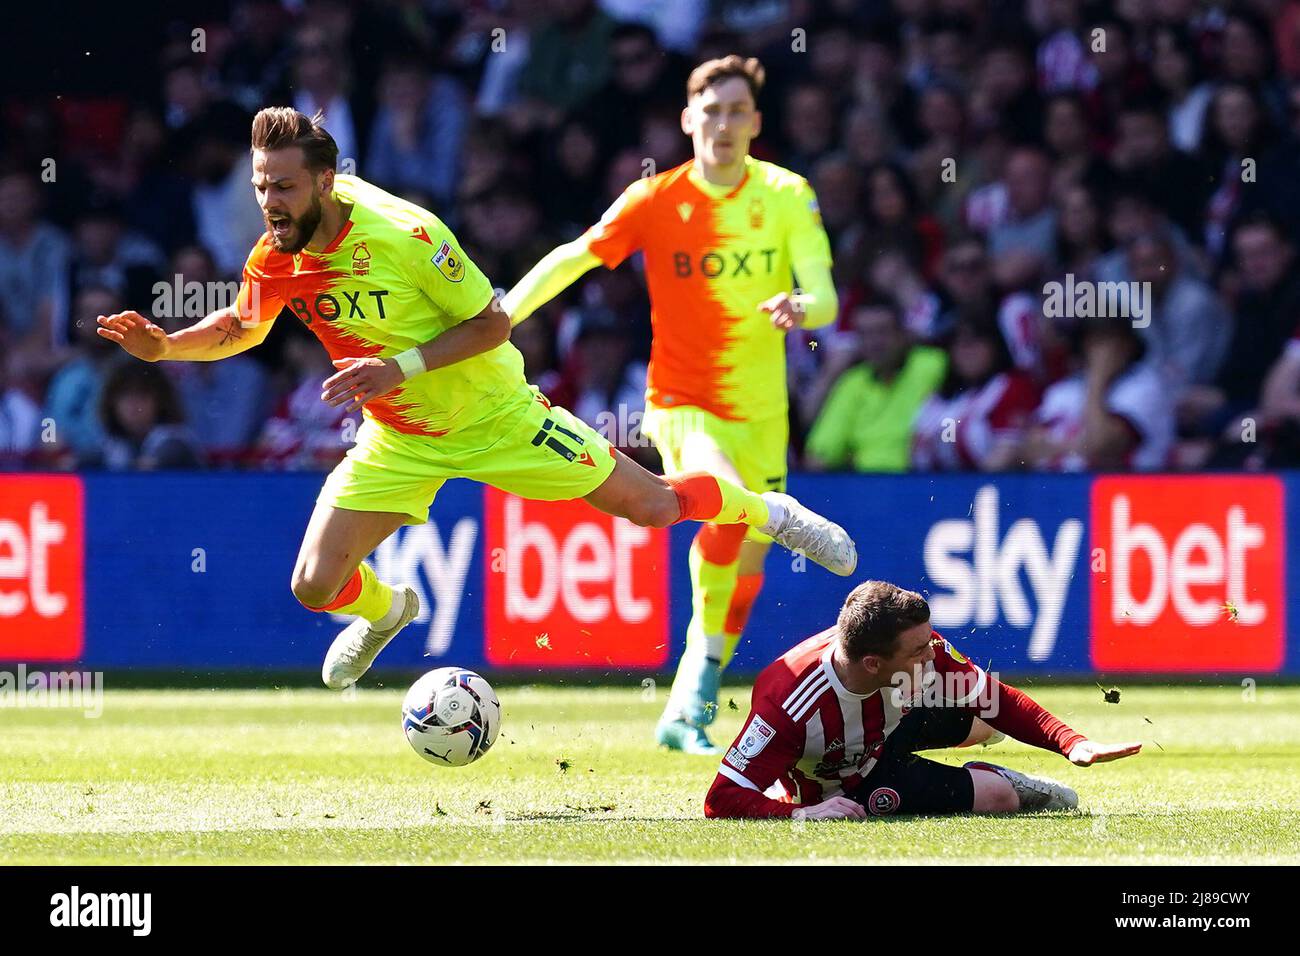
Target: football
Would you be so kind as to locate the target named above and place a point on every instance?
(451, 716)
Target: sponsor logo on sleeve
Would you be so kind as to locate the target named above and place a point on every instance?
(735, 758)
(449, 262)
(757, 735)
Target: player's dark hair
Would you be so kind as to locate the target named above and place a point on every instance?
(723, 68)
(874, 614)
(280, 127)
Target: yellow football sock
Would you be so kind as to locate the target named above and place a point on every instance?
(711, 588)
(373, 598)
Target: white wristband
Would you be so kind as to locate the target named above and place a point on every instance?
(411, 362)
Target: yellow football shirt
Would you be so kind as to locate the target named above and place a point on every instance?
(394, 278)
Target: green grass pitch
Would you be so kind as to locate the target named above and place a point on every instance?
(307, 776)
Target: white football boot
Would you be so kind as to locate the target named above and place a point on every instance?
(1035, 793)
(808, 533)
(358, 644)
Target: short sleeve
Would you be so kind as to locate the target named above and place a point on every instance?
(255, 302)
(449, 277)
(768, 746)
(621, 231)
(962, 681)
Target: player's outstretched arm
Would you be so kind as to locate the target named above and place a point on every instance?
(1088, 752)
(557, 270)
(359, 379)
(1022, 718)
(217, 336)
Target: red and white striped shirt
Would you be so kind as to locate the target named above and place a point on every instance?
(809, 738)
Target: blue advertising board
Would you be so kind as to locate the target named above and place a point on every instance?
(1046, 574)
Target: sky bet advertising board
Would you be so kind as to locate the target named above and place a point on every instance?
(1069, 575)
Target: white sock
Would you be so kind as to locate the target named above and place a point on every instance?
(775, 515)
(713, 646)
(395, 609)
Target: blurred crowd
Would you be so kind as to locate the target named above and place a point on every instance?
(977, 163)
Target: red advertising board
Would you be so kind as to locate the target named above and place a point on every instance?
(568, 586)
(41, 598)
(1187, 573)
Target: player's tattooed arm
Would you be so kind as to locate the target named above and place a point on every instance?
(230, 330)
(219, 335)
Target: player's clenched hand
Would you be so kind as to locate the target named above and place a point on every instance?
(135, 333)
(832, 808)
(786, 313)
(1088, 752)
(359, 380)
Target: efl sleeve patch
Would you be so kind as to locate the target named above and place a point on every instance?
(449, 262)
(756, 736)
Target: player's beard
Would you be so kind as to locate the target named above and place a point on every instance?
(300, 230)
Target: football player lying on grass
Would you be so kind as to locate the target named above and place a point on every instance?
(836, 723)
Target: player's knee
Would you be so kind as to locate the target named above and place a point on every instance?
(312, 589)
(654, 511)
(994, 794)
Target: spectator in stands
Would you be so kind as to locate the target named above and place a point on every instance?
(1265, 312)
(895, 218)
(976, 420)
(866, 422)
(108, 255)
(1023, 243)
(226, 401)
(1238, 131)
(1177, 73)
(418, 130)
(72, 400)
(808, 126)
(304, 433)
(228, 221)
(34, 259)
(20, 424)
(143, 421)
(965, 283)
(1187, 329)
(1113, 413)
(604, 384)
(568, 61)
(503, 232)
(1143, 153)
(143, 176)
(894, 276)
(322, 81)
(569, 182)
(643, 78)
(1130, 213)
(1081, 237)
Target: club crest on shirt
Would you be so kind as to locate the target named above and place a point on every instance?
(756, 213)
(757, 735)
(449, 262)
(360, 259)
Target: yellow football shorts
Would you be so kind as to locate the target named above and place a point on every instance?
(531, 449)
(757, 449)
